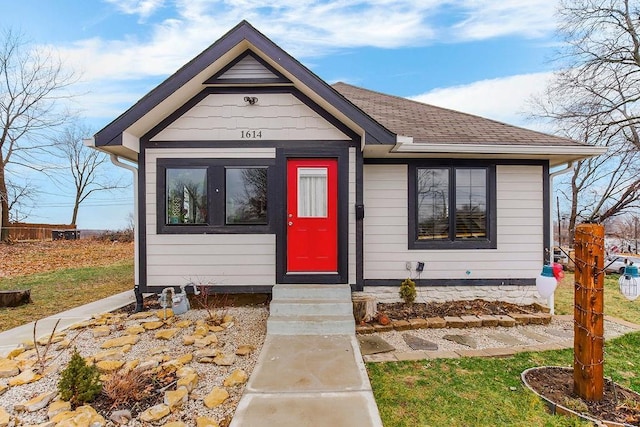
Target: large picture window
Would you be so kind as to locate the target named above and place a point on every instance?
(450, 206)
(213, 196)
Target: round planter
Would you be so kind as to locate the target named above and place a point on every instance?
(557, 408)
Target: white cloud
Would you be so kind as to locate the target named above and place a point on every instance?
(144, 8)
(503, 99)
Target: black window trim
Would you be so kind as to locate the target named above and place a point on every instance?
(216, 194)
(489, 243)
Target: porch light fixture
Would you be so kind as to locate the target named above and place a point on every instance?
(251, 100)
(629, 282)
(546, 282)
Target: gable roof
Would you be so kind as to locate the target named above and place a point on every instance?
(429, 124)
(389, 125)
(245, 35)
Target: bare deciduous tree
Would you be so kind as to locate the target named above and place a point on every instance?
(594, 99)
(32, 84)
(87, 166)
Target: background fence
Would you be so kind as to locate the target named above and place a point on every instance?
(23, 231)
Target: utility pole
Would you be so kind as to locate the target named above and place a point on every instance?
(635, 233)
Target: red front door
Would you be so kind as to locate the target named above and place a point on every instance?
(312, 215)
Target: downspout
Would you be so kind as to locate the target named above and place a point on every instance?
(136, 287)
(551, 300)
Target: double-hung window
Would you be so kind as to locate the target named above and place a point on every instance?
(452, 206)
(213, 196)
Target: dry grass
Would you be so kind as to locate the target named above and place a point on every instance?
(62, 275)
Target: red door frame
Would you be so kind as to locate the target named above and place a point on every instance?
(312, 242)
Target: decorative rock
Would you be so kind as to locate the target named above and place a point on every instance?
(227, 318)
(148, 364)
(175, 424)
(226, 325)
(166, 334)
(8, 368)
(504, 320)
(183, 324)
(134, 330)
(216, 397)
(467, 340)
(5, 417)
(472, 321)
(208, 353)
(58, 406)
(373, 344)
(28, 344)
(185, 358)
(184, 371)
(164, 314)
(54, 339)
(216, 328)
(455, 322)
(106, 366)
(188, 339)
(30, 353)
(401, 325)
(158, 350)
(86, 416)
(112, 354)
(418, 323)
(224, 359)
(121, 417)
(176, 398)
(206, 422)
(201, 330)
(383, 328)
(101, 331)
(417, 343)
(141, 315)
(245, 350)
(63, 345)
(131, 365)
(3, 388)
(488, 320)
(237, 377)
(155, 413)
(121, 341)
(189, 381)
(83, 324)
(150, 326)
(25, 377)
(365, 329)
(15, 352)
(36, 403)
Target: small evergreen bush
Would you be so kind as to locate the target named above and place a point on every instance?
(408, 291)
(79, 383)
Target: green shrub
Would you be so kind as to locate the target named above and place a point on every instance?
(408, 291)
(79, 383)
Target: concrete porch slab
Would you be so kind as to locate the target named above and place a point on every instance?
(330, 409)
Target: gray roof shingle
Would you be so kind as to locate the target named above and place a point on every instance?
(436, 125)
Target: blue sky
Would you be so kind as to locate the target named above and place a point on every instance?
(484, 57)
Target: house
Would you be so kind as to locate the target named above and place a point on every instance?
(253, 171)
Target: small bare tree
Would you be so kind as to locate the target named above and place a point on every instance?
(33, 81)
(87, 166)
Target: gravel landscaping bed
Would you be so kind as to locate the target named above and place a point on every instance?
(485, 337)
(244, 329)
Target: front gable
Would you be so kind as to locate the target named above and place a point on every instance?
(250, 114)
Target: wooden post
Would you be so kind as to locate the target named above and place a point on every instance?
(588, 341)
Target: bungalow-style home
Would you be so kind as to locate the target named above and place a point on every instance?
(252, 171)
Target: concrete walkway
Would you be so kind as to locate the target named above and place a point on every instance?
(12, 338)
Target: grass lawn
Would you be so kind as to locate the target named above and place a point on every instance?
(483, 392)
(56, 291)
(615, 304)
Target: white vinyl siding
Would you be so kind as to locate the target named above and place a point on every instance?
(248, 68)
(227, 117)
(219, 259)
(519, 249)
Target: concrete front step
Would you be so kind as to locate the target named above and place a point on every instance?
(326, 292)
(310, 307)
(310, 325)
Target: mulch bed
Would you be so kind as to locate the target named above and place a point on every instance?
(556, 384)
(403, 311)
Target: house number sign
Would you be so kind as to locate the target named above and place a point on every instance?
(251, 134)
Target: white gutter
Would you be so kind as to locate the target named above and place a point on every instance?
(569, 167)
(116, 161)
(404, 146)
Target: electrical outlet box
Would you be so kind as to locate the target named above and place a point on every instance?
(407, 265)
(419, 266)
